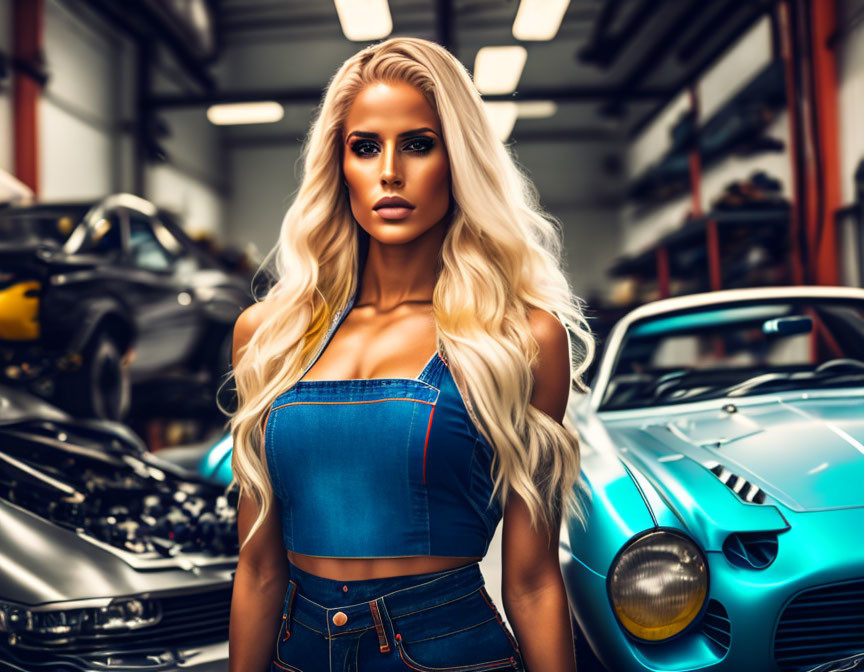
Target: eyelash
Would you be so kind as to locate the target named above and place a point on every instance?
(426, 146)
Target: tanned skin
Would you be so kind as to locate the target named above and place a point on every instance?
(393, 146)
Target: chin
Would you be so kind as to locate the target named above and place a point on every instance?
(395, 232)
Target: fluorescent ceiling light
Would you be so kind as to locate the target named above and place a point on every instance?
(498, 69)
(265, 112)
(539, 19)
(364, 20)
(537, 109)
(502, 115)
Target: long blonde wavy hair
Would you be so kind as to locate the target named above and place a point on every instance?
(501, 256)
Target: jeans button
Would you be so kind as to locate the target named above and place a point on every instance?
(339, 618)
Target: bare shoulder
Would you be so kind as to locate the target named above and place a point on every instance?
(547, 329)
(245, 326)
(552, 368)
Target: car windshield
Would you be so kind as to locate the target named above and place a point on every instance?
(31, 226)
(734, 350)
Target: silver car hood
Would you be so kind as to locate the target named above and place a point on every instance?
(48, 563)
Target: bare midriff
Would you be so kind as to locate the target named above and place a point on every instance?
(361, 569)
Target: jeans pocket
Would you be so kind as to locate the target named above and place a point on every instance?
(297, 645)
(462, 635)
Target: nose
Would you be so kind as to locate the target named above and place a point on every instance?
(390, 169)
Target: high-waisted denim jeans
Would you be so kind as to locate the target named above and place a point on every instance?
(436, 622)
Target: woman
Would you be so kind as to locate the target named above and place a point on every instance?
(412, 233)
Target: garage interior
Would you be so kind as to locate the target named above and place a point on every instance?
(686, 146)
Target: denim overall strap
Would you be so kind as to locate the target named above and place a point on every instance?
(338, 317)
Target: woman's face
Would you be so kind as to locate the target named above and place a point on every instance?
(393, 148)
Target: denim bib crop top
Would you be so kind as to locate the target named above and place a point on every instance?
(380, 467)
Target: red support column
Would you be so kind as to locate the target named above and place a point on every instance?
(662, 255)
(27, 47)
(822, 235)
(712, 240)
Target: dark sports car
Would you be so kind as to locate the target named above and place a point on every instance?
(110, 559)
(96, 298)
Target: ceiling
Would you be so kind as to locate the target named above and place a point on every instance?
(612, 66)
(612, 63)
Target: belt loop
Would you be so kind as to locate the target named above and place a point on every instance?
(377, 607)
(286, 610)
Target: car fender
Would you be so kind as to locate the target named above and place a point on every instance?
(105, 314)
(615, 508)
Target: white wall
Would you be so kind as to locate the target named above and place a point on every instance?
(592, 240)
(574, 188)
(200, 206)
(263, 182)
(6, 132)
(655, 140)
(78, 110)
(850, 82)
(193, 181)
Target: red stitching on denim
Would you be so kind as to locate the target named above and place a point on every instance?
(383, 644)
(369, 401)
(285, 666)
(498, 618)
(472, 667)
(426, 444)
(287, 615)
(266, 420)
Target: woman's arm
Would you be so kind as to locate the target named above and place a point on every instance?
(259, 590)
(533, 593)
(262, 567)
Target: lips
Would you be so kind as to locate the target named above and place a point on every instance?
(392, 202)
(393, 207)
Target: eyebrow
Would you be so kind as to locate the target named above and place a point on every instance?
(365, 134)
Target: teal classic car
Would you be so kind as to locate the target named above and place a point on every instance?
(723, 448)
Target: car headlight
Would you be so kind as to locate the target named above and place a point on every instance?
(658, 585)
(60, 622)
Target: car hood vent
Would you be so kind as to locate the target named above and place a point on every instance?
(748, 492)
(751, 550)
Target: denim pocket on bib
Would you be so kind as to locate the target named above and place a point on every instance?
(462, 635)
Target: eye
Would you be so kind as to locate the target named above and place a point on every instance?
(360, 147)
(420, 145)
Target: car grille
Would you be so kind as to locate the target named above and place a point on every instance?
(717, 628)
(187, 620)
(819, 625)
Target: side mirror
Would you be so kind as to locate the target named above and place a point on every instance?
(788, 326)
